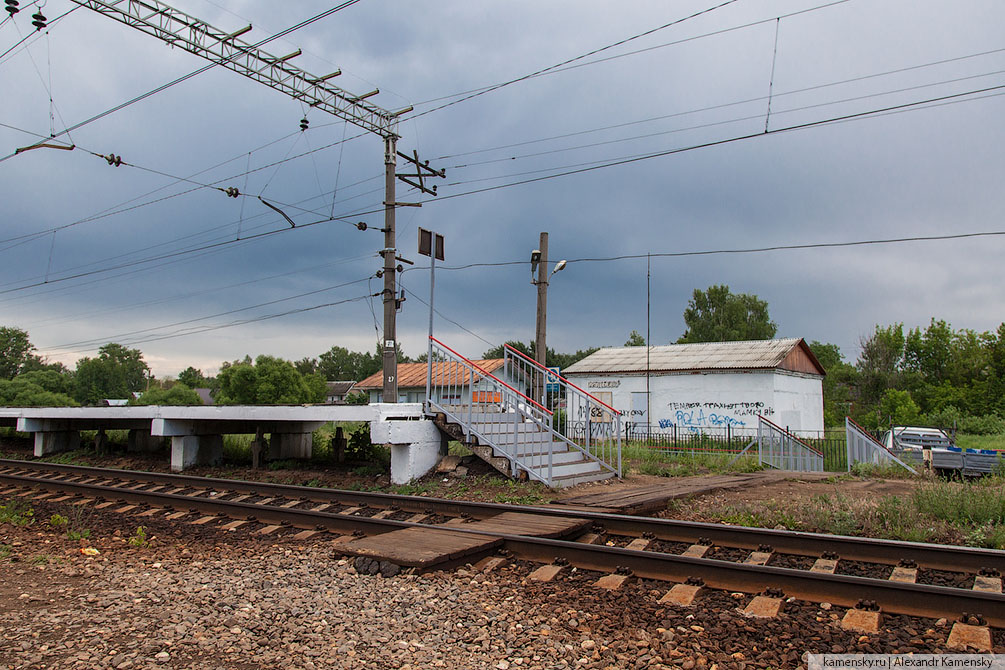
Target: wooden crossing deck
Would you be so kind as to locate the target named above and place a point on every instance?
(430, 547)
(654, 497)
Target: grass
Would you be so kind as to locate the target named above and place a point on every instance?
(139, 538)
(5, 551)
(659, 463)
(996, 442)
(880, 471)
(949, 512)
(75, 457)
(17, 513)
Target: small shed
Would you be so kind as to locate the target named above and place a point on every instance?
(709, 385)
(452, 380)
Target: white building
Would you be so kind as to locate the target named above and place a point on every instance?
(708, 386)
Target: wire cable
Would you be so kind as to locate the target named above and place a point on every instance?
(120, 336)
(538, 73)
(194, 73)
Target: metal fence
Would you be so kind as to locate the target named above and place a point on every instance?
(674, 442)
(863, 447)
(780, 449)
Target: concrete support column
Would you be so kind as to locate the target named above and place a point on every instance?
(189, 450)
(141, 441)
(416, 446)
(290, 445)
(52, 442)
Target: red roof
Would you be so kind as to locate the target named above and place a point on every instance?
(413, 375)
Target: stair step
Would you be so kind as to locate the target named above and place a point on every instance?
(538, 459)
(572, 480)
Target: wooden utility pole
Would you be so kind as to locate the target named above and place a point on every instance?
(540, 344)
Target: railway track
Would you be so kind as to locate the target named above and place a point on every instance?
(801, 565)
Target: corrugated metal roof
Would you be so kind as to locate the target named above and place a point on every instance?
(753, 354)
(413, 375)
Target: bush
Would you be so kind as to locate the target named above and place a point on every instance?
(357, 398)
(988, 424)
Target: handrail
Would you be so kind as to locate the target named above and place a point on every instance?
(775, 425)
(553, 374)
(868, 435)
(491, 376)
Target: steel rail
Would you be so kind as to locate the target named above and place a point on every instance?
(869, 550)
(893, 597)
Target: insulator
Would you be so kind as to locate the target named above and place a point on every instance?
(232, 192)
(39, 21)
(303, 124)
(113, 159)
(361, 225)
(12, 7)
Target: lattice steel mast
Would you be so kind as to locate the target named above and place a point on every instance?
(227, 50)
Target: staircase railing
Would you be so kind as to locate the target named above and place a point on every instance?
(580, 419)
(780, 449)
(491, 410)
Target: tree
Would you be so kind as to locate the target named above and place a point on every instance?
(269, 381)
(881, 363)
(340, 364)
(306, 365)
(116, 373)
(898, 408)
(635, 339)
(552, 358)
(500, 351)
(192, 378)
(15, 351)
(838, 384)
(179, 394)
(716, 315)
(33, 390)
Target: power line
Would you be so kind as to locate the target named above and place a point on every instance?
(750, 250)
(232, 324)
(909, 106)
(574, 59)
(119, 209)
(447, 318)
(192, 294)
(847, 117)
(163, 87)
(208, 316)
(49, 24)
(698, 126)
(571, 64)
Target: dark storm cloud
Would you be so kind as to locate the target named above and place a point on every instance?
(936, 171)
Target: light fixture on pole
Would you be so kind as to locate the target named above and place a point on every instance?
(539, 263)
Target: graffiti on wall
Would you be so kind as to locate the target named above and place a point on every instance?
(693, 416)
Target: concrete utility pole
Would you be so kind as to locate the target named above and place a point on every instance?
(390, 344)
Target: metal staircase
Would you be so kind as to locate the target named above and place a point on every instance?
(493, 413)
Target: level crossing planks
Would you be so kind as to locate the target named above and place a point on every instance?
(426, 548)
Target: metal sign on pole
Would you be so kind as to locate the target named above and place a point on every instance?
(430, 244)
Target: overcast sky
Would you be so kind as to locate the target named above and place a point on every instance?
(149, 257)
